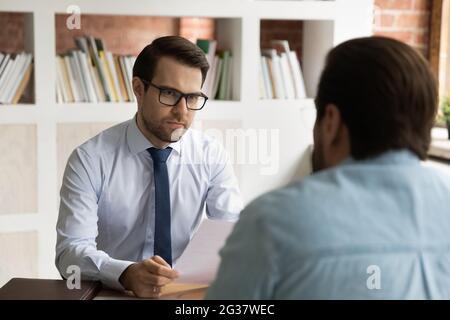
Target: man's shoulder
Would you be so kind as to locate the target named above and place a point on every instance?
(199, 139)
(106, 141)
(295, 201)
(344, 187)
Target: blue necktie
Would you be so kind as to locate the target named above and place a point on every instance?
(163, 240)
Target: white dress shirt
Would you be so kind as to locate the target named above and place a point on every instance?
(106, 215)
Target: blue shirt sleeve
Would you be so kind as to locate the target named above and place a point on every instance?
(248, 268)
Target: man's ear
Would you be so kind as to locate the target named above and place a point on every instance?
(139, 90)
(331, 124)
(335, 136)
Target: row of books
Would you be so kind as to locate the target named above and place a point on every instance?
(15, 73)
(218, 80)
(280, 73)
(93, 74)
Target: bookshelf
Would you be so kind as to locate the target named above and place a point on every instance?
(54, 129)
(19, 27)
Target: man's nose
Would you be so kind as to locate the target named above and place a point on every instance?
(181, 107)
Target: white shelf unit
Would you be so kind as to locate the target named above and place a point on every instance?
(327, 23)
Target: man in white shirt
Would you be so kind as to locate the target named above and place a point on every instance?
(133, 196)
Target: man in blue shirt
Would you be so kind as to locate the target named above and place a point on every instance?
(371, 222)
(133, 196)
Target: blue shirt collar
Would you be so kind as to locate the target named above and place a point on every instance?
(401, 156)
(137, 142)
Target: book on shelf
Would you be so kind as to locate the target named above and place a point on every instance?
(265, 81)
(223, 82)
(209, 48)
(274, 65)
(281, 73)
(15, 74)
(218, 82)
(218, 63)
(91, 73)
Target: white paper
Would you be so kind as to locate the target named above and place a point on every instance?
(200, 260)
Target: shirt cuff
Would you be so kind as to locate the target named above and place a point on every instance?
(112, 271)
(230, 217)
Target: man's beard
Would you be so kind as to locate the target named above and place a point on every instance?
(159, 133)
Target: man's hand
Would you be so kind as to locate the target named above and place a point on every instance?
(146, 278)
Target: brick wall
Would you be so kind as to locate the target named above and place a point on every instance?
(290, 30)
(120, 34)
(11, 32)
(197, 28)
(139, 31)
(405, 20)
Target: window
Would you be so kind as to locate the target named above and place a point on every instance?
(440, 44)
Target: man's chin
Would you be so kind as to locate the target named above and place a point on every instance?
(177, 134)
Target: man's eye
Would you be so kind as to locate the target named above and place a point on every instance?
(169, 93)
(193, 98)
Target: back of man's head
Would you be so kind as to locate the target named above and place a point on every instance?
(386, 95)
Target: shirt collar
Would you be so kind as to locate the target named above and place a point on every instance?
(137, 142)
(402, 156)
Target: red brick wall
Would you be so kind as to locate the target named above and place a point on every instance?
(197, 28)
(139, 31)
(290, 30)
(120, 34)
(405, 20)
(11, 32)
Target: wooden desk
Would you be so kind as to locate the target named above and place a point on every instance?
(173, 291)
(197, 267)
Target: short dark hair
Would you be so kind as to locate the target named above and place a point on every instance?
(178, 48)
(386, 93)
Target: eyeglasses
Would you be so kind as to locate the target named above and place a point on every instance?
(171, 97)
